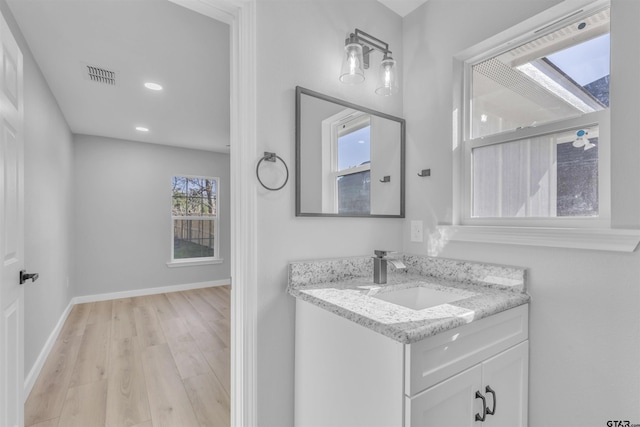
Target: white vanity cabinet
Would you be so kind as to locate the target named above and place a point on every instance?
(348, 375)
(458, 401)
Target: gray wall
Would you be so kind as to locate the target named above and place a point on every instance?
(123, 218)
(584, 318)
(301, 43)
(48, 193)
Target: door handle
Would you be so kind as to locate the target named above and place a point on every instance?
(24, 276)
(495, 401)
(484, 407)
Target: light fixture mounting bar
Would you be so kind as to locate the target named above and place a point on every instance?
(369, 43)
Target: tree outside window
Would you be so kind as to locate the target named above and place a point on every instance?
(194, 216)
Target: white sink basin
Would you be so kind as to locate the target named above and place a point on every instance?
(418, 297)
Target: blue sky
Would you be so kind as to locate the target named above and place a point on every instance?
(585, 62)
(354, 148)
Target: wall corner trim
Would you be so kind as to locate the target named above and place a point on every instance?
(241, 16)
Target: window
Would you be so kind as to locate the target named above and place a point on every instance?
(353, 171)
(194, 217)
(536, 135)
(347, 174)
(553, 175)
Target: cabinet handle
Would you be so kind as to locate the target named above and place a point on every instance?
(484, 407)
(492, 411)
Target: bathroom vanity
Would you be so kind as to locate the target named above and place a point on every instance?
(443, 343)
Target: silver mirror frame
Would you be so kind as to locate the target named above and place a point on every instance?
(302, 91)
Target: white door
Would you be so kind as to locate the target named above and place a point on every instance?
(507, 374)
(11, 231)
(451, 403)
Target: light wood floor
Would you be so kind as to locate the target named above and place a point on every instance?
(159, 360)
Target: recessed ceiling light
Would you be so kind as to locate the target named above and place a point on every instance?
(153, 86)
(142, 129)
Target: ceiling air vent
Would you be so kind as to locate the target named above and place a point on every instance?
(101, 75)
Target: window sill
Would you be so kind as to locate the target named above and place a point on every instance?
(615, 240)
(191, 263)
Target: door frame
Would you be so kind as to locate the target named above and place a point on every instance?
(241, 17)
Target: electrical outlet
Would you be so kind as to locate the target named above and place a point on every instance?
(416, 231)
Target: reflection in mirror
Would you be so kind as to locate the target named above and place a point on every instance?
(350, 159)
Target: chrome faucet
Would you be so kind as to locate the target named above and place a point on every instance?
(380, 266)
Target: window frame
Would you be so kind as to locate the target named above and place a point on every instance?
(216, 259)
(521, 34)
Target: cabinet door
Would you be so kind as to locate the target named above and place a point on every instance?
(508, 376)
(345, 375)
(451, 403)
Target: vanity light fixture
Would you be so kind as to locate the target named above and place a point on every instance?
(358, 47)
(142, 129)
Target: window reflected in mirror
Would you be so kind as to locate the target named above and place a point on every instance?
(350, 159)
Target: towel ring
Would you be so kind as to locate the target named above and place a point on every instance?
(271, 157)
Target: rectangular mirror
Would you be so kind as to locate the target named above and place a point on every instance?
(349, 159)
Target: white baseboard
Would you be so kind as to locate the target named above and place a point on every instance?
(149, 291)
(30, 379)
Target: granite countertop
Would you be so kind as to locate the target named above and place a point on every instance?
(345, 287)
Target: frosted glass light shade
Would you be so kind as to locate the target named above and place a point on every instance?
(388, 77)
(352, 69)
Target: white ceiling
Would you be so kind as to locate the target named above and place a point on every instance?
(402, 7)
(141, 40)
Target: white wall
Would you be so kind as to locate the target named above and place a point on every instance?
(385, 161)
(301, 43)
(48, 194)
(314, 112)
(584, 318)
(123, 218)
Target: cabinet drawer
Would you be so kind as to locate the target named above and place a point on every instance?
(436, 358)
